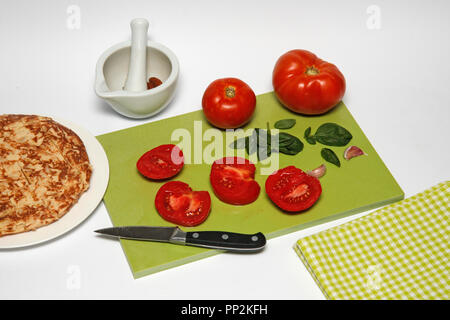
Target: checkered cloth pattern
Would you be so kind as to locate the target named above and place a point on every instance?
(398, 252)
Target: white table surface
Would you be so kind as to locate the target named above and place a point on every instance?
(394, 55)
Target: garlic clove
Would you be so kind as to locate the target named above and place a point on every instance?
(318, 172)
(353, 151)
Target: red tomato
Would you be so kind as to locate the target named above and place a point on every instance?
(161, 162)
(228, 103)
(153, 82)
(306, 84)
(232, 179)
(293, 190)
(177, 203)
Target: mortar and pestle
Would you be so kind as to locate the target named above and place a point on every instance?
(123, 70)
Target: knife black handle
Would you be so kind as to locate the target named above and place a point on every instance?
(229, 241)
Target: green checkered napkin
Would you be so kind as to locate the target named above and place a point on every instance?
(398, 252)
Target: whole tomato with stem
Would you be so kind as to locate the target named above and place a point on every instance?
(228, 103)
(306, 84)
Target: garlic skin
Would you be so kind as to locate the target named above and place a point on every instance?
(318, 172)
(353, 151)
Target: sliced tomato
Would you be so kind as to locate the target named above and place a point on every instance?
(162, 162)
(232, 179)
(292, 190)
(177, 203)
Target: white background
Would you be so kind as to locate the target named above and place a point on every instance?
(398, 79)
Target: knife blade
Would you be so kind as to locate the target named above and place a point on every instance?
(229, 241)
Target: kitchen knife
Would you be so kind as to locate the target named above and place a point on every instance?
(221, 240)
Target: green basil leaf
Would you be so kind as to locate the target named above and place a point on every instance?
(332, 134)
(269, 135)
(262, 136)
(247, 144)
(264, 153)
(285, 139)
(307, 132)
(264, 141)
(329, 156)
(260, 142)
(310, 140)
(252, 143)
(285, 123)
(289, 144)
(308, 137)
(238, 143)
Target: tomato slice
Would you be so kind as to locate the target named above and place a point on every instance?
(177, 203)
(292, 190)
(232, 179)
(161, 162)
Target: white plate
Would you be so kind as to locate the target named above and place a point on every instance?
(85, 205)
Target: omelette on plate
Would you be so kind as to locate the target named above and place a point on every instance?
(44, 169)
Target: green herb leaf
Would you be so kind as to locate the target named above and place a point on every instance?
(264, 141)
(264, 152)
(261, 135)
(260, 141)
(285, 139)
(332, 134)
(310, 140)
(269, 134)
(307, 131)
(238, 143)
(247, 144)
(329, 156)
(285, 123)
(289, 144)
(251, 144)
(308, 137)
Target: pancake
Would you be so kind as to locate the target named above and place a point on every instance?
(44, 170)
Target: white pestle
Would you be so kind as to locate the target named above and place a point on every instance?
(121, 78)
(137, 68)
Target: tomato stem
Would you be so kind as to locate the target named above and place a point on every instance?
(312, 71)
(230, 91)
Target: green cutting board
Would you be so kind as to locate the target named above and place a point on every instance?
(360, 184)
